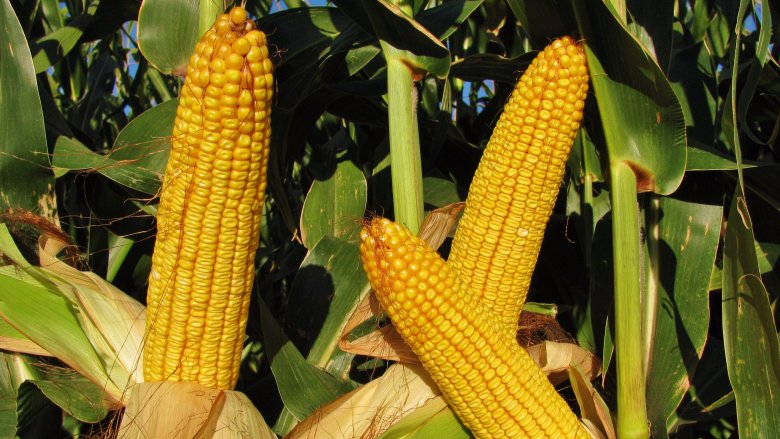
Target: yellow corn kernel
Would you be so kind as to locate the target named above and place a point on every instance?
(210, 210)
(491, 382)
(515, 186)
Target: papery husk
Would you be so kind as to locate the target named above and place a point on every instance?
(179, 410)
(439, 223)
(113, 320)
(384, 342)
(593, 410)
(556, 359)
(14, 341)
(371, 409)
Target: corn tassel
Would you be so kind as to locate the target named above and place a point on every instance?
(515, 186)
(491, 382)
(210, 209)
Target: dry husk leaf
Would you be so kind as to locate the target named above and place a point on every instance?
(176, 410)
(371, 409)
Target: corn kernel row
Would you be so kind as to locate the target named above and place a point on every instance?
(210, 209)
(491, 382)
(516, 184)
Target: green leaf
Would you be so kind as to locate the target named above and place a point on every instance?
(296, 31)
(482, 66)
(444, 19)
(651, 23)
(51, 48)
(701, 159)
(138, 157)
(688, 239)
(651, 137)
(334, 206)
(71, 155)
(692, 73)
(8, 395)
(413, 44)
(302, 386)
(325, 292)
(14, 341)
(168, 32)
(143, 146)
(544, 20)
(749, 332)
(74, 393)
(433, 419)
(26, 305)
(36, 413)
(439, 192)
(25, 178)
(300, 41)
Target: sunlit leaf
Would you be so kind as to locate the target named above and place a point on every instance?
(180, 409)
(51, 48)
(415, 45)
(371, 408)
(303, 387)
(137, 159)
(167, 32)
(651, 137)
(334, 207)
(434, 419)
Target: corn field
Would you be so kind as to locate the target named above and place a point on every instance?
(389, 219)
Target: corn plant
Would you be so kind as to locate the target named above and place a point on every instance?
(647, 252)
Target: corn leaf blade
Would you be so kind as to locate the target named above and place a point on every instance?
(73, 392)
(51, 48)
(143, 146)
(324, 294)
(415, 45)
(167, 32)
(334, 206)
(8, 395)
(303, 387)
(651, 137)
(749, 332)
(687, 244)
(25, 178)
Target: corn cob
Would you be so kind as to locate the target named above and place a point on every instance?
(491, 382)
(210, 209)
(515, 186)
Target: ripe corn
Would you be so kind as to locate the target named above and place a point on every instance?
(515, 186)
(210, 209)
(491, 382)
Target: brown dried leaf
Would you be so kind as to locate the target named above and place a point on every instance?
(438, 224)
(384, 342)
(371, 409)
(594, 411)
(556, 359)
